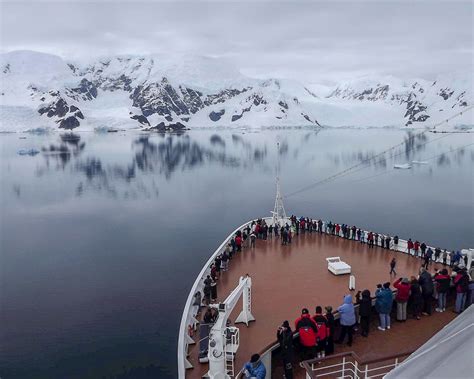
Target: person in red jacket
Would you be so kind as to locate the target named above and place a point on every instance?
(443, 281)
(307, 329)
(461, 282)
(238, 242)
(403, 293)
(416, 247)
(323, 332)
(409, 245)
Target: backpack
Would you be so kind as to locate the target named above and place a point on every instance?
(323, 331)
(307, 336)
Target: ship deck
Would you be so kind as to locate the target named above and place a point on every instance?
(287, 278)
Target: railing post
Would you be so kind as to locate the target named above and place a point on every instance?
(396, 362)
(343, 366)
(356, 369)
(366, 371)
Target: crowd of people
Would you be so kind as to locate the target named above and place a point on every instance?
(413, 295)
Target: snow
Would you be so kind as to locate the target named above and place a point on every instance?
(29, 79)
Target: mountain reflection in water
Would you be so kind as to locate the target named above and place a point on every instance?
(112, 228)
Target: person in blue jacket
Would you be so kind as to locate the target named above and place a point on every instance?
(383, 305)
(255, 368)
(347, 320)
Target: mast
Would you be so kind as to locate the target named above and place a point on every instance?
(279, 214)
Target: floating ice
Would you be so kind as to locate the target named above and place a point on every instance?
(404, 166)
(30, 152)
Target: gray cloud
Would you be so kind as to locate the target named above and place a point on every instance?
(318, 42)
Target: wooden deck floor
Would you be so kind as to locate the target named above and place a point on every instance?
(287, 278)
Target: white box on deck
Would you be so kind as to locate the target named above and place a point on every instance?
(338, 267)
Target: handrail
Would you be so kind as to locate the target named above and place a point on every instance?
(187, 316)
(307, 365)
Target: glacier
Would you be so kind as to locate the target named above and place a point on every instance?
(44, 91)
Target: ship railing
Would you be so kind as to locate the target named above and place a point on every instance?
(266, 354)
(402, 246)
(188, 319)
(350, 365)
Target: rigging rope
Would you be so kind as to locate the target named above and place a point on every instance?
(351, 169)
(393, 169)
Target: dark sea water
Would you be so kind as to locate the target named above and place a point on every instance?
(102, 235)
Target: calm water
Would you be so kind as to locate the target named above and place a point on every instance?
(102, 235)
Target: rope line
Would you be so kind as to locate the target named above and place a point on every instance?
(365, 161)
(393, 169)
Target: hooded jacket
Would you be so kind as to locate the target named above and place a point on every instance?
(384, 301)
(403, 291)
(285, 338)
(256, 370)
(365, 306)
(416, 294)
(426, 283)
(346, 311)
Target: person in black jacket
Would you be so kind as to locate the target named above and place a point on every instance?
(426, 283)
(365, 309)
(331, 326)
(207, 290)
(285, 338)
(416, 299)
(443, 282)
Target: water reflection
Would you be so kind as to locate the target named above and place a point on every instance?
(149, 155)
(177, 153)
(217, 140)
(69, 145)
(166, 155)
(217, 171)
(414, 142)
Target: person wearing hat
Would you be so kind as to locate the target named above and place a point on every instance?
(330, 323)
(323, 331)
(383, 305)
(347, 319)
(307, 329)
(255, 368)
(365, 311)
(285, 338)
(403, 293)
(426, 283)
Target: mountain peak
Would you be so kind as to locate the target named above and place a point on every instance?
(144, 91)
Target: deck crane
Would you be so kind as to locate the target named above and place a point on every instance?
(223, 340)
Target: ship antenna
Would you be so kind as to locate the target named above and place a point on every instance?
(279, 215)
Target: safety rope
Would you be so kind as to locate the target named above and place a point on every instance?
(351, 169)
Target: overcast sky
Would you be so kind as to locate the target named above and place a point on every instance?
(312, 41)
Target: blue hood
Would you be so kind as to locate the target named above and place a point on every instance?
(346, 311)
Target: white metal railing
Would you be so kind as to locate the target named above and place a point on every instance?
(188, 318)
(230, 349)
(349, 365)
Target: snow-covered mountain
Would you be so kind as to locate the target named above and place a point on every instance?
(418, 101)
(42, 90)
